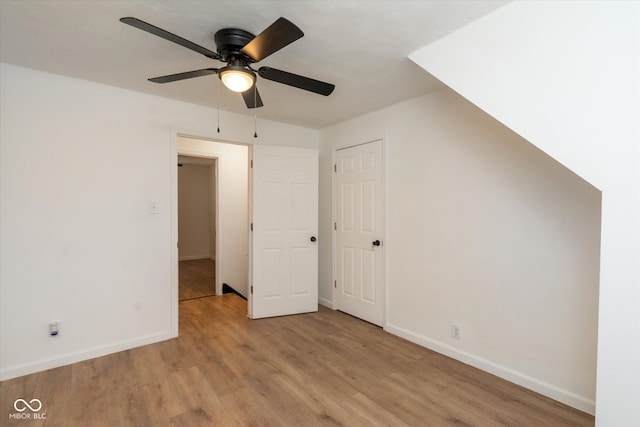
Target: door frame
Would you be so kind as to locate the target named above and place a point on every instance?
(334, 264)
(216, 157)
(173, 167)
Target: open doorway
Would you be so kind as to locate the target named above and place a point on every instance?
(231, 223)
(197, 211)
(285, 210)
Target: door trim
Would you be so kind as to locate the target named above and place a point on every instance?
(334, 264)
(217, 157)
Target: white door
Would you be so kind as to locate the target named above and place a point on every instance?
(284, 257)
(358, 231)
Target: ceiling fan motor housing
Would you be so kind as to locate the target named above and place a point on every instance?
(229, 42)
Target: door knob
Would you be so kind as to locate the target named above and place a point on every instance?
(376, 243)
(313, 238)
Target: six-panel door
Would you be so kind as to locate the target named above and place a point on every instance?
(285, 229)
(359, 205)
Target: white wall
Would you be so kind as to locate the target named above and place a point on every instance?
(485, 231)
(232, 261)
(79, 164)
(564, 75)
(195, 195)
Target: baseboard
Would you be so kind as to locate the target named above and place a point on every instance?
(564, 396)
(79, 356)
(325, 302)
(193, 257)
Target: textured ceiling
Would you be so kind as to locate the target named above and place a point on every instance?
(360, 46)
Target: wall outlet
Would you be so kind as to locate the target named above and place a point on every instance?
(455, 331)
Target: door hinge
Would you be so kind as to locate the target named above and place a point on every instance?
(335, 226)
(251, 289)
(251, 226)
(251, 164)
(335, 167)
(335, 283)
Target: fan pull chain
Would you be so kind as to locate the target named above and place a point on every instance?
(255, 110)
(218, 105)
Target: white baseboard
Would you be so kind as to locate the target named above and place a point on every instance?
(326, 302)
(67, 359)
(192, 257)
(569, 398)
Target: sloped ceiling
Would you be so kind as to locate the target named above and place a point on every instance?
(360, 46)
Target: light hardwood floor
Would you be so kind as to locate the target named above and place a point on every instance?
(196, 279)
(324, 368)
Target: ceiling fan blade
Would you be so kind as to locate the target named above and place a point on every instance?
(183, 76)
(144, 26)
(278, 35)
(295, 80)
(252, 98)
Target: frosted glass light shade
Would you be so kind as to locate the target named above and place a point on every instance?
(237, 79)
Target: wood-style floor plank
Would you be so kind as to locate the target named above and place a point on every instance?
(197, 278)
(317, 369)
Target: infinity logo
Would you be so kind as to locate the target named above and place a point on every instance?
(26, 405)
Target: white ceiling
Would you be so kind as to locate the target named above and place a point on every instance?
(360, 46)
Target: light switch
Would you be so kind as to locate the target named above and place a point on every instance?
(154, 207)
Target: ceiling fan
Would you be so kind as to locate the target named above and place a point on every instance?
(240, 49)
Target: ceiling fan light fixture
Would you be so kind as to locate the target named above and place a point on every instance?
(239, 49)
(237, 78)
